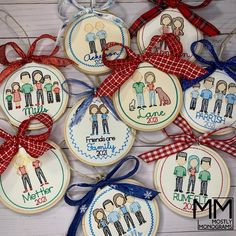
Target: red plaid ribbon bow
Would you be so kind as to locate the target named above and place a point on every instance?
(12, 66)
(124, 68)
(184, 8)
(34, 145)
(186, 139)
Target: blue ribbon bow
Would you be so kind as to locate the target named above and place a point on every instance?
(228, 66)
(90, 94)
(129, 189)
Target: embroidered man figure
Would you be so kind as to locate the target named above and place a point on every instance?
(139, 88)
(194, 96)
(113, 216)
(40, 175)
(101, 34)
(205, 175)
(230, 99)
(90, 38)
(206, 93)
(120, 201)
(180, 170)
(136, 209)
(26, 88)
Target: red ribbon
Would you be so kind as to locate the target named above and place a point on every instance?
(124, 68)
(34, 145)
(12, 66)
(186, 139)
(184, 8)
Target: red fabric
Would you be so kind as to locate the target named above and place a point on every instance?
(34, 145)
(186, 139)
(184, 8)
(124, 68)
(12, 66)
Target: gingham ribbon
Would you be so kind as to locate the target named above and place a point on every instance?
(34, 145)
(12, 66)
(184, 8)
(186, 139)
(124, 68)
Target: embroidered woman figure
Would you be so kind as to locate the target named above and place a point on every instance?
(101, 220)
(16, 94)
(193, 169)
(178, 26)
(39, 173)
(166, 22)
(120, 201)
(104, 111)
(150, 80)
(221, 88)
(93, 111)
(38, 81)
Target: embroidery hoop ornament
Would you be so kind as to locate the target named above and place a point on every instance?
(14, 143)
(123, 69)
(184, 9)
(217, 65)
(184, 141)
(48, 62)
(117, 183)
(70, 23)
(79, 108)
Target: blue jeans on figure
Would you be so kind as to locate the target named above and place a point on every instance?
(140, 100)
(152, 98)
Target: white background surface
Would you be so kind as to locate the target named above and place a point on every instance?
(38, 17)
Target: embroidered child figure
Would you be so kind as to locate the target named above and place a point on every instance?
(120, 201)
(180, 170)
(194, 96)
(90, 38)
(21, 160)
(206, 94)
(27, 88)
(193, 169)
(101, 34)
(166, 23)
(178, 26)
(16, 94)
(104, 115)
(94, 111)
(102, 222)
(135, 208)
(38, 171)
(230, 100)
(48, 88)
(114, 216)
(56, 90)
(9, 99)
(38, 81)
(205, 175)
(139, 88)
(150, 80)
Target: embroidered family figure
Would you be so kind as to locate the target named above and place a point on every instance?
(171, 25)
(39, 84)
(223, 93)
(20, 163)
(140, 88)
(192, 170)
(117, 208)
(94, 111)
(92, 36)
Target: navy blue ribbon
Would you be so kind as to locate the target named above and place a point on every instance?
(89, 93)
(127, 188)
(228, 66)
